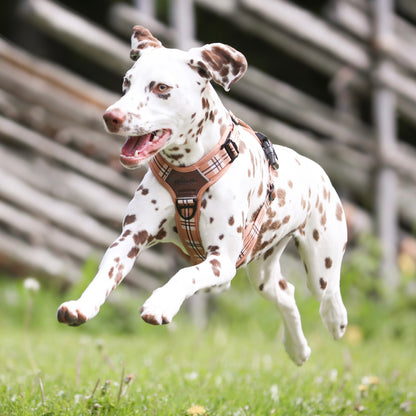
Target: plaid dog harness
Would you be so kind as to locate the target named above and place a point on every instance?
(186, 186)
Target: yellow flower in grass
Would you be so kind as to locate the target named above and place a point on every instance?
(370, 380)
(354, 335)
(196, 410)
(367, 382)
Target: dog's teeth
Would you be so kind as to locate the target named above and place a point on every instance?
(159, 133)
(136, 153)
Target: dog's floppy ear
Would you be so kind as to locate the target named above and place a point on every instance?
(142, 39)
(219, 62)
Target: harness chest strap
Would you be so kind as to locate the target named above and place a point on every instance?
(186, 186)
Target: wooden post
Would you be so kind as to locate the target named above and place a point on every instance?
(384, 114)
(182, 19)
(145, 6)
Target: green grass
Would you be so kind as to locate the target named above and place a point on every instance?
(118, 365)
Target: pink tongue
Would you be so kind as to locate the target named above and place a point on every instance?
(134, 143)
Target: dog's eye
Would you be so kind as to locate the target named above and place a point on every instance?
(162, 88)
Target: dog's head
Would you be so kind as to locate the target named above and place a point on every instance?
(162, 91)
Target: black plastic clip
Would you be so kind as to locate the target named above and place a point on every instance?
(186, 207)
(231, 149)
(269, 151)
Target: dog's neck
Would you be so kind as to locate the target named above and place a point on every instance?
(199, 136)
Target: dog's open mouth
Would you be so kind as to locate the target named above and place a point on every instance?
(140, 148)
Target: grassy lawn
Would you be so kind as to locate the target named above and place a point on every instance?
(119, 365)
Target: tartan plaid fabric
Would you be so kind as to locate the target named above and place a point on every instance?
(211, 168)
(252, 232)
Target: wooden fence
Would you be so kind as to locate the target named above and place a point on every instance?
(63, 193)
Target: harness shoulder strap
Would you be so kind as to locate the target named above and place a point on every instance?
(186, 186)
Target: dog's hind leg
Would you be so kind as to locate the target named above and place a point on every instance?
(321, 249)
(266, 276)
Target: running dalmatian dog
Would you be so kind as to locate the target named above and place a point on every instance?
(169, 108)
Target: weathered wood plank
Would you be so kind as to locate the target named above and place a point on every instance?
(17, 134)
(78, 33)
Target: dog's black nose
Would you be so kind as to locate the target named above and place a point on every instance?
(113, 119)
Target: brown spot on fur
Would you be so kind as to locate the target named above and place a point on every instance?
(339, 212)
(111, 272)
(301, 228)
(119, 277)
(328, 262)
(129, 219)
(316, 235)
(281, 195)
(212, 249)
(223, 128)
(260, 190)
(216, 266)
(322, 283)
(323, 219)
(303, 203)
(161, 234)
(283, 284)
(268, 253)
(140, 237)
(231, 221)
(221, 236)
(133, 252)
(162, 222)
(145, 38)
(115, 244)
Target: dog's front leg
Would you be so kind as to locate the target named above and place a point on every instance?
(138, 231)
(115, 265)
(165, 301)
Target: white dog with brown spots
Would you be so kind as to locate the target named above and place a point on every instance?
(170, 109)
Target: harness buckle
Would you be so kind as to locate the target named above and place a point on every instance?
(269, 151)
(231, 148)
(186, 207)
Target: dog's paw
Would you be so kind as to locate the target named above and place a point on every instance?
(299, 353)
(160, 308)
(334, 316)
(74, 314)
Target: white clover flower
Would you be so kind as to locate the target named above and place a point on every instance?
(31, 284)
(192, 376)
(333, 375)
(274, 392)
